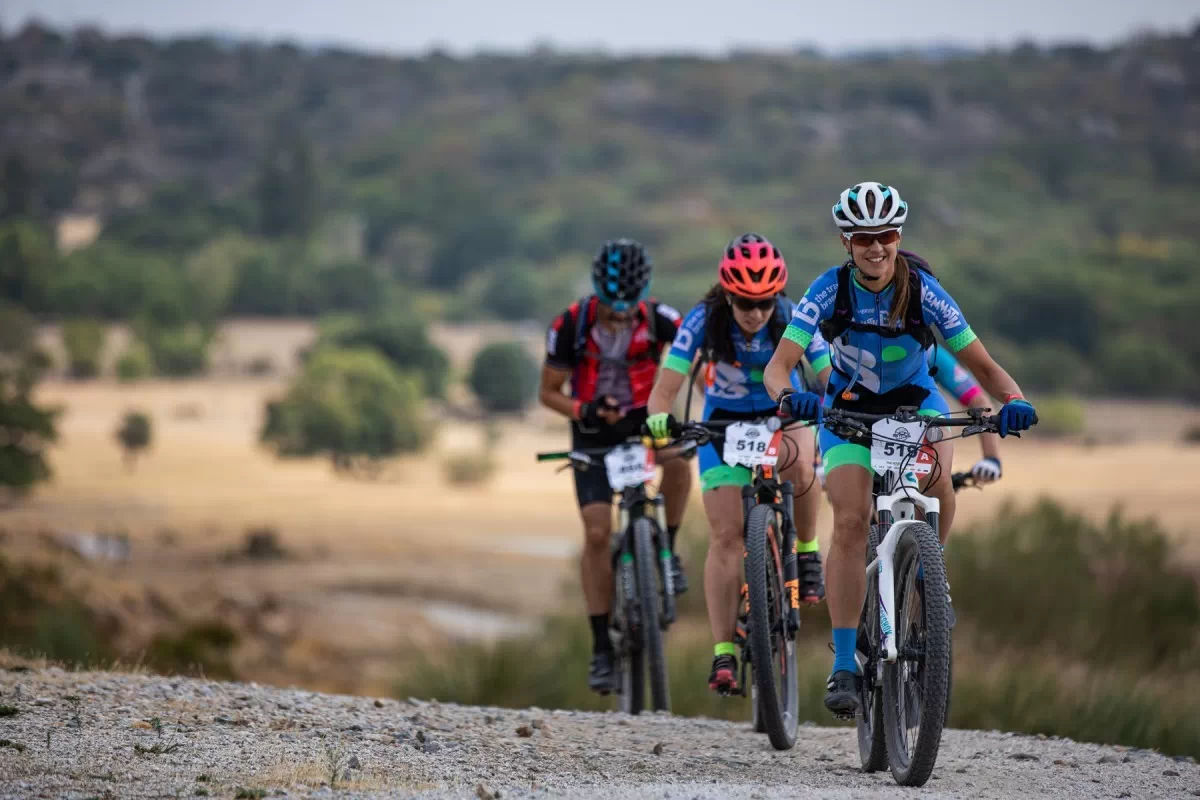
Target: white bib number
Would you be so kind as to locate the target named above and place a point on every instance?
(749, 445)
(630, 465)
(898, 446)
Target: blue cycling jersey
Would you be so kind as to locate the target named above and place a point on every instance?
(877, 363)
(739, 386)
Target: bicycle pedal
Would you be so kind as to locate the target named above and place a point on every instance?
(844, 716)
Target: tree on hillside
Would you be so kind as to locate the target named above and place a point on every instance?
(134, 435)
(352, 406)
(16, 188)
(83, 339)
(27, 263)
(26, 428)
(287, 189)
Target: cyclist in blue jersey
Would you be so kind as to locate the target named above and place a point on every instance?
(734, 330)
(962, 386)
(877, 312)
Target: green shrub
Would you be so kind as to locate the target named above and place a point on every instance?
(1040, 695)
(200, 649)
(135, 363)
(83, 339)
(1059, 416)
(1107, 593)
(469, 469)
(504, 377)
(401, 338)
(178, 352)
(40, 616)
(348, 404)
(134, 435)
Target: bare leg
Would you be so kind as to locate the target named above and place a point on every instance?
(595, 564)
(723, 567)
(849, 490)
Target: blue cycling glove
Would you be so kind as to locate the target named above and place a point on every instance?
(804, 405)
(1017, 415)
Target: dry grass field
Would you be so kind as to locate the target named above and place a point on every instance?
(376, 565)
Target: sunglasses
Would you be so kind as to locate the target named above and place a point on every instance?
(868, 238)
(746, 305)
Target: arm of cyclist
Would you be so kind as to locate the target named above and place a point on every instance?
(666, 389)
(986, 469)
(797, 338)
(556, 371)
(1017, 414)
(959, 383)
(674, 373)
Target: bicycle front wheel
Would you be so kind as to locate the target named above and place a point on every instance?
(648, 601)
(772, 649)
(916, 687)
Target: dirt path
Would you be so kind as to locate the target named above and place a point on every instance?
(123, 735)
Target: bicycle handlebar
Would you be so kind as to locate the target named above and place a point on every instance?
(584, 457)
(976, 421)
(960, 480)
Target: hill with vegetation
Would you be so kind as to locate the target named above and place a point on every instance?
(1055, 190)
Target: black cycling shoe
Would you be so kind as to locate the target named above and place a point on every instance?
(841, 694)
(602, 672)
(812, 583)
(723, 678)
(679, 580)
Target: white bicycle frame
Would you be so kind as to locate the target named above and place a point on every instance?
(902, 503)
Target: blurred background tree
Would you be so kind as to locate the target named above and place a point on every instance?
(134, 435)
(504, 377)
(351, 405)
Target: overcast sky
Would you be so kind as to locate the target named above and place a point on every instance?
(405, 26)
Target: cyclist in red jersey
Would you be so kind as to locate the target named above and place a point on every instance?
(608, 346)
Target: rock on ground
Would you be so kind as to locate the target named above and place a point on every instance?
(120, 735)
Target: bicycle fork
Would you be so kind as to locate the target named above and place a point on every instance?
(791, 566)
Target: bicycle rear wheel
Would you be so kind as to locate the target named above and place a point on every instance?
(872, 742)
(648, 607)
(916, 688)
(772, 650)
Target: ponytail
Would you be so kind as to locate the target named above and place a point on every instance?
(903, 281)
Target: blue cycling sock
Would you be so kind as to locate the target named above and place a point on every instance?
(844, 640)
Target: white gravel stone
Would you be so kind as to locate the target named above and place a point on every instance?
(579, 754)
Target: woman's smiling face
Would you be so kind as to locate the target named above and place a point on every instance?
(873, 250)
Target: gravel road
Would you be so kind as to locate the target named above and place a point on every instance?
(120, 735)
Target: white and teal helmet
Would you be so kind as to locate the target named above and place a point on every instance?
(869, 205)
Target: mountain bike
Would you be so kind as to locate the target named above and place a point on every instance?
(904, 651)
(769, 610)
(643, 596)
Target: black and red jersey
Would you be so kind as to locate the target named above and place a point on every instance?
(570, 346)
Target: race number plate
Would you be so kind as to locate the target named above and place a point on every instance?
(748, 445)
(630, 465)
(898, 446)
